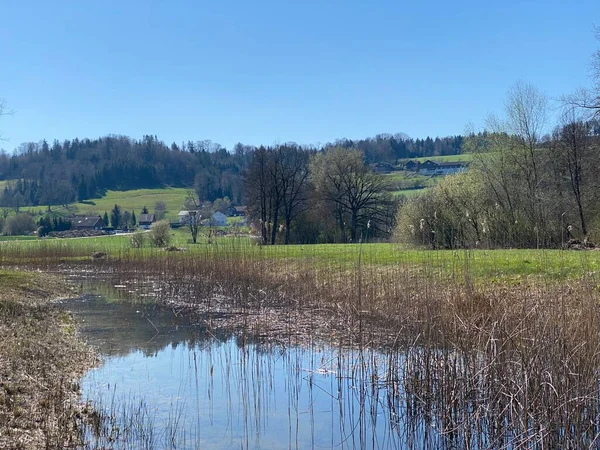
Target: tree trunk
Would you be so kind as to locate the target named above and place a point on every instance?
(275, 223)
(353, 226)
(287, 230)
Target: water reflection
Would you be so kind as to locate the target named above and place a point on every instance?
(168, 382)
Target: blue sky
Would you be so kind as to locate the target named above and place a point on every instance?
(276, 71)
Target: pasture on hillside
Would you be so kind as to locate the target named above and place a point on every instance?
(463, 157)
(133, 200)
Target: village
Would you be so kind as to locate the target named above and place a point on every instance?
(94, 225)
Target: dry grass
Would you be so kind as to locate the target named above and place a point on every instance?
(490, 366)
(509, 364)
(41, 359)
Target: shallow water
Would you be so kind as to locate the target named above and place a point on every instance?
(168, 382)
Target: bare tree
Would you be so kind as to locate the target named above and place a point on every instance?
(4, 111)
(293, 178)
(526, 109)
(343, 180)
(509, 154)
(258, 189)
(160, 209)
(192, 204)
(588, 99)
(276, 184)
(572, 143)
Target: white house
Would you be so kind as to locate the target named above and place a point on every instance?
(184, 217)
(218, 219)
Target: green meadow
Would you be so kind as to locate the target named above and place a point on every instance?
(133, 200)
(484, 266)
(464, 157)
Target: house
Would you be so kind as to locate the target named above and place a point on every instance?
(86, 222)
(430, 167)
(449, 168)
(382, 167)
(218, 219)
(146, 220)
(412, 165)
(184, 217)
(236, 211)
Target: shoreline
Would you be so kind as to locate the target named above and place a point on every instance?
(42, 359)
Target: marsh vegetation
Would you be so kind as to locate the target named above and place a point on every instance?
(463, 349)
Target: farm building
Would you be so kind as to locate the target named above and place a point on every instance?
(86, 222)
(236, 211)
(146, 220)
(430, 167)
(218, 219)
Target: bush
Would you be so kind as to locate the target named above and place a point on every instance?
(138, 239)
(160, 233)
(20, 224)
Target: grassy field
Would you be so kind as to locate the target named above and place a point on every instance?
(406, 180)
(490, 266)
(133, 200)
(465, 157)
(409, 192)
(17, 238)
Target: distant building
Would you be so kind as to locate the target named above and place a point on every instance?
(184, 217)
(430, 167)
(449, 168)
(382, 167)
(236, 211)
(218, 219)
(412, 165)
(86, 222)
(146, 220)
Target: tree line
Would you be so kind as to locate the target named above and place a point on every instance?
(392, 147)
(530, 183)
(80, 169)
(299, 195)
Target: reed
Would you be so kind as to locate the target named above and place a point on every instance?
(506, 361)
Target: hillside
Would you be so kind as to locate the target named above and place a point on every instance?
(132, 201)
(80, 170)
(91, 176)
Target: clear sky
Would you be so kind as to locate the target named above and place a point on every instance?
(262, 72)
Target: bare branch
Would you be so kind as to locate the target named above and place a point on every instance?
(4, 111)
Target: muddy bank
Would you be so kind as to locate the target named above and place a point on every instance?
(41, 361)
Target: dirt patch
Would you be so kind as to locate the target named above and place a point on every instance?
(41, 361)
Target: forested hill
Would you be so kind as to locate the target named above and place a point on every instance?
(81, 169)
(62, 172)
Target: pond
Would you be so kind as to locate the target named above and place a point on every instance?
(167, 381)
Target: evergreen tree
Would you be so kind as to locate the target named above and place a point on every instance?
(105, 218)
(115, 216)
